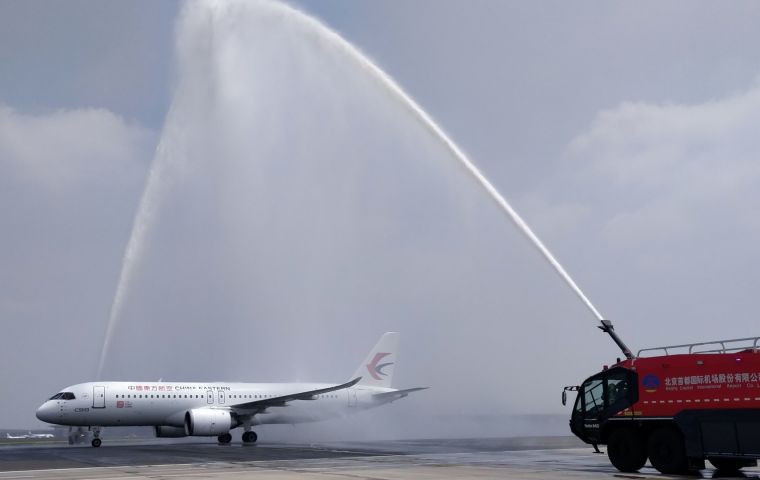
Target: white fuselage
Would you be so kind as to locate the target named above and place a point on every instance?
(166, 403)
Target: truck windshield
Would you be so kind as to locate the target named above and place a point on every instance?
(593, 395)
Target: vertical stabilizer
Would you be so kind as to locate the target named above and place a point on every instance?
(377, 368)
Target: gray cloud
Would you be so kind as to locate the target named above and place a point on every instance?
(669, 194)
(69, 181)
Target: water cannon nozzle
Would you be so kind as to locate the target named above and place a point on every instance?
(606, 327)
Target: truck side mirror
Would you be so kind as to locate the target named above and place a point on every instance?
(572, 388)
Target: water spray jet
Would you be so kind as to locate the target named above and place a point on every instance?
(151, 197)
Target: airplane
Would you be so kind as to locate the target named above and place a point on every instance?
(15, 437)
(40, 435)
(181, 409)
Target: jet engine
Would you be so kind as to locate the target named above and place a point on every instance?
(208, 422)
(170, 432)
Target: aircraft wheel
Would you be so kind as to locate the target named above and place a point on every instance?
(96, 442)
(667, 452)
(250, 437)
(626, 451)
(224, 438)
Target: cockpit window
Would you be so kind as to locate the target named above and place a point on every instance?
(63, 396)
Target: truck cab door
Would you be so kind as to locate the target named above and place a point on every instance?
(599, 398)
(593, 407)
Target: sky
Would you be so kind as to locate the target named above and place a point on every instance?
(302, 212)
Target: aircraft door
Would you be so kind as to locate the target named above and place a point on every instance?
(221, 397)
(98, 397)
(210, 396)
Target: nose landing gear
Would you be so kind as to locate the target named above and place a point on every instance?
(96, 441)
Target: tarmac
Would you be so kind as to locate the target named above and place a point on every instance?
(534, 458)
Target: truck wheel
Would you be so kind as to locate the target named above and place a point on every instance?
(625, 449)
(667, 452)
(728, 465)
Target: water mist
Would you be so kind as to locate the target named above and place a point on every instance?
(169, 155)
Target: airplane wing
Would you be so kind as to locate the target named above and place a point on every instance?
(396, 394)
(281, 401)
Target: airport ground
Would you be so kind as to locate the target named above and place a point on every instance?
(534, 458)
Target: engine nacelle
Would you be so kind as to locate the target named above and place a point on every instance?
(170, 432)
(201, 422)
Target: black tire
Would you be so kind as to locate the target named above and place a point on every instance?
(96, 442)
(728, 465)
(667, 452)
(625, 449)
(250, 437)
(224, 438)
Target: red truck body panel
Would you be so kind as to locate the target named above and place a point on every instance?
(670, 384)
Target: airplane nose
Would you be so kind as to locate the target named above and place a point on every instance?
(44, 412)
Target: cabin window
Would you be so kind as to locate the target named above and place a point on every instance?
(617, 387)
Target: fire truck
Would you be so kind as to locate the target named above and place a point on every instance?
(676, 406)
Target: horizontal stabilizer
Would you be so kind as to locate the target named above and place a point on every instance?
(396, 394)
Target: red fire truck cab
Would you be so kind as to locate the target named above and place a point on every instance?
(691, 403)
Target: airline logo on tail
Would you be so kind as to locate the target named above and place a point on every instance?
(375, 368)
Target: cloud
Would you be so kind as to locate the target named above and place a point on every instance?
(667, 239)
(69, 185)
(62, 150)
(669, 167)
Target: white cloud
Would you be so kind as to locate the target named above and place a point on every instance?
(667, 167)
(62, 149)
(69, 185)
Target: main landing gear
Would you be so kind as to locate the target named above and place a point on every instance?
(248, 437)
